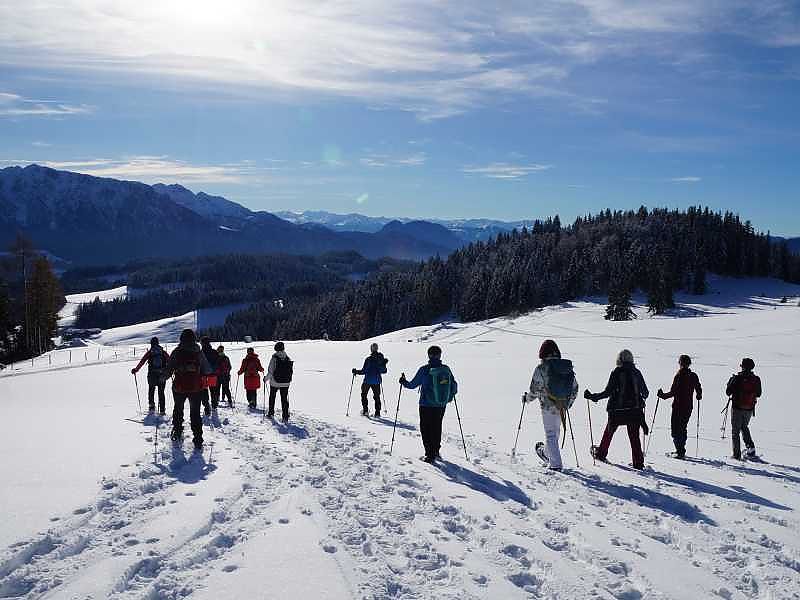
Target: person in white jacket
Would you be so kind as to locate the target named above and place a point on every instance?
(279, 377)
(555, 387)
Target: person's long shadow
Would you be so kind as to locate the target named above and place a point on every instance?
(187, 467)
(750, 470)
(291, 429)
(390, 423)
(497, 490)
(734, 492)
(646, 497)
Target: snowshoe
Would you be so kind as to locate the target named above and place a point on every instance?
(540, 452)
(427, 459)
(677, 455)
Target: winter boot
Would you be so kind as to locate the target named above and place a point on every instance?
(750, 452)
(377, 414)
(176, 435)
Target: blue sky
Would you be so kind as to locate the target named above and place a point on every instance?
(445, 109)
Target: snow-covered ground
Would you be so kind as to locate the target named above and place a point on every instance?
(66, 317)
(319, 509)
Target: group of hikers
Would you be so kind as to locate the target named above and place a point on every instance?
(201, 375)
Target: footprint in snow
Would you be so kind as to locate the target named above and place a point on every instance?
(229, 568)
(283, 520)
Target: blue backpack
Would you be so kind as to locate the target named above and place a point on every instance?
(440, 385)
(559, 382)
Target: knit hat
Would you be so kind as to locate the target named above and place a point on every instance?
(549, 349)
(188, 337)
(434, 351)
(625, 356)
(279, 347)
(154, 341)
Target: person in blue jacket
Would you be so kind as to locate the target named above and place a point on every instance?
(374, 367)
(437, 388)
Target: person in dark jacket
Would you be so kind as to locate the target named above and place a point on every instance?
(156, 358)
(224, 373)
(279, 377)
(437, 388)
(212, 381)
(626, 391)
(685, 385)
(189, 366)
(374, 367)
(744, 390)
(251, 367)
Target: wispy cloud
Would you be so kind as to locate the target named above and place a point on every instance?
(505, 170)
(686, 179)
(385, 160)
(14, 105)
(362, 199)
(155, 169)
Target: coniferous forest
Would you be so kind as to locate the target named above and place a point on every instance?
(655, 251)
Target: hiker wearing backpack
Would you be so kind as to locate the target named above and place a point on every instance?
(374, 367)
(156, 358)
(279, 376)
(224, 375)
(251, 367)
(744, 390)
(685, 385)
(189, 366)
(438, 387)
(555, 387)
(212, 381)
(626, 392)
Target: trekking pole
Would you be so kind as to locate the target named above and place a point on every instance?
(396, 411)
(724, 412)
(591, 433)
(350, 395)
(572, 434)
(460, 429)
(519, 427)
(652, 425)
(697, 435)
(263, 414)
(236, 392)
(138, 398)
(383, 398)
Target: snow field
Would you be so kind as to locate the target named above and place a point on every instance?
(319, 509)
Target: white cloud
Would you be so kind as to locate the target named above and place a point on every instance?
(505, 170)
(155, 169)
(362, 199)
(687, 179)
(13, 105)
(384, 160)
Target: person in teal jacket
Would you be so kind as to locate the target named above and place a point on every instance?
(437, 388)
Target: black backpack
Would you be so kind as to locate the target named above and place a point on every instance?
(284, 368)
(156, 360)
(629, 395)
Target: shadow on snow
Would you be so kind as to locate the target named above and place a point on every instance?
(191, 468)
(497, 490)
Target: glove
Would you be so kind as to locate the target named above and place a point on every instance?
(660, 393)
(355, 371)
(403, 378)
(266, 379)
(588, 395)
(525, 397)
(133, 371)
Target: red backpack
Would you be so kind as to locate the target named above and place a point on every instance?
(188, 378)
(747, 392)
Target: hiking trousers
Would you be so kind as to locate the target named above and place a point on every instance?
(633, 436)
(225, 388)
(151, 392)
(376, 395)
(430, 427)
(195, 420)
(740, 423)
(214, 391)
(552, 431)
(273, 391)
(680, 423)
(252, 398)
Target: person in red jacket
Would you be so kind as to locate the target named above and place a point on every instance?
(224, 374)
(156, 358)
(744, 390)
(684, 386)
(189, 366)
(251, 367)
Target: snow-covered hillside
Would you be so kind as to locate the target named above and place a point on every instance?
(94, 507)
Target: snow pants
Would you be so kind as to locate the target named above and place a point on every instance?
(430, 427)
(252, 398)
(214, 392)
(195, 420)
(740, 423)
(552, 431)
(206, 403)
(152, 386)
(273, 392)
(633, 436)
(376, 395)
(225, 388)
(680, 422)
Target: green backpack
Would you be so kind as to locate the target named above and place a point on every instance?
(441, 385)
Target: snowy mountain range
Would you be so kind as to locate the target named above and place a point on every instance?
(92, 220)
(468, 230)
